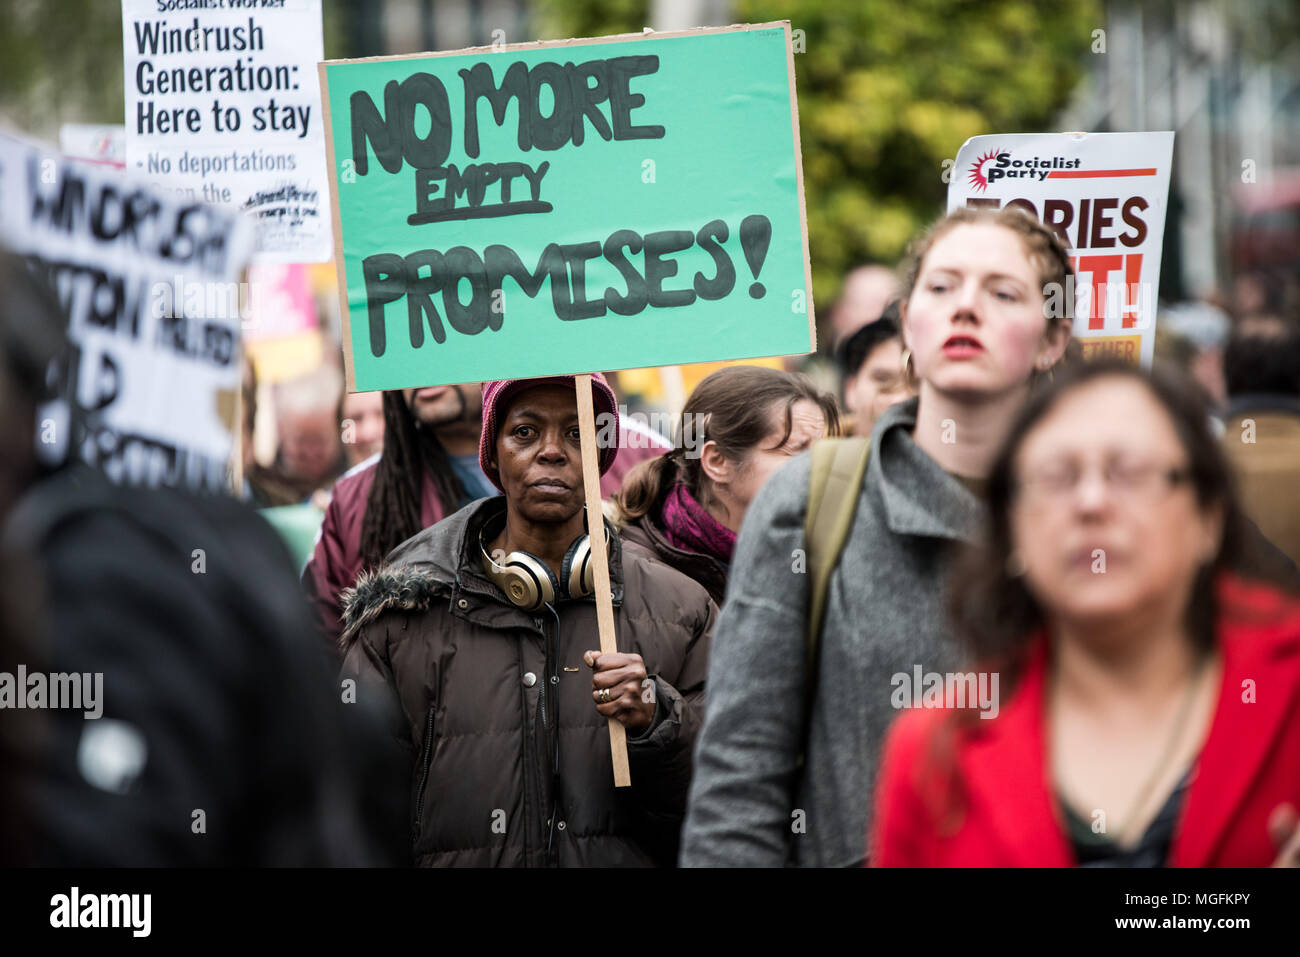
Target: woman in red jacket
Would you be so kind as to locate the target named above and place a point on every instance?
(1150, 691)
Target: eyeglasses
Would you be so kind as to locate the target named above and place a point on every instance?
(1137, 483)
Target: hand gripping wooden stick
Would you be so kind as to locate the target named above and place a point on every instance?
(600, 561)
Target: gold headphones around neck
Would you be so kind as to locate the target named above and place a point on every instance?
(529, 582)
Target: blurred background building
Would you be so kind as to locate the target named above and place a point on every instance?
(1226, 77)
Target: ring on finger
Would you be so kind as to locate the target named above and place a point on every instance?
(604, 695)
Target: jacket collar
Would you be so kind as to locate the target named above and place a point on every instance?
(919, 497)
(469, 558)
(1007, 768)
(445, 561)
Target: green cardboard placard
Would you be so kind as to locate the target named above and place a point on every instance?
(605, 203)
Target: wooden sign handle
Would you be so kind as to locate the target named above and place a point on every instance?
(600, 561)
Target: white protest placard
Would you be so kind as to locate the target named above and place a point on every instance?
(1105, 195)
(149, 284)
(223, 104)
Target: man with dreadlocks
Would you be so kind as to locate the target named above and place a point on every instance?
(428, 468)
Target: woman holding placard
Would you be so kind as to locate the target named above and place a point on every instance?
(481, 634)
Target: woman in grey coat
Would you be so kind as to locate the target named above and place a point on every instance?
(985, 311)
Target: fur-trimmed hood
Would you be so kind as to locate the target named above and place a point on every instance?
(440, 563)
(387, 588)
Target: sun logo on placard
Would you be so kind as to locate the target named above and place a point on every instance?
(978, 178)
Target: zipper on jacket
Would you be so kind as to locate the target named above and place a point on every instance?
(424, 774)
(546, 645)
(551, 671)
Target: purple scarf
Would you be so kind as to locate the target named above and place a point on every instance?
(688, 525)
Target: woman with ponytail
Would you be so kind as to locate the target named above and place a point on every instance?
(738, 427)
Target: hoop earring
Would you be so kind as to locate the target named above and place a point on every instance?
(909, 376)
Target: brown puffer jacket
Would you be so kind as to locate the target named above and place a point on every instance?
(478, 684)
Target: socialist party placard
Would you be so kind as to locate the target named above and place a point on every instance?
(149, 284)
(223, 106)
(576, 206)
(1105, 195)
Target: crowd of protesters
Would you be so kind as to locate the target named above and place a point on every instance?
(1108, 552)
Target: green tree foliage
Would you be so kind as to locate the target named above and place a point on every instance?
(561, 19)
(887, 92)
(61, 60)
(60, 63)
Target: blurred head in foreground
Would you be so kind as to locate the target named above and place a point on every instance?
(1113, 512)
